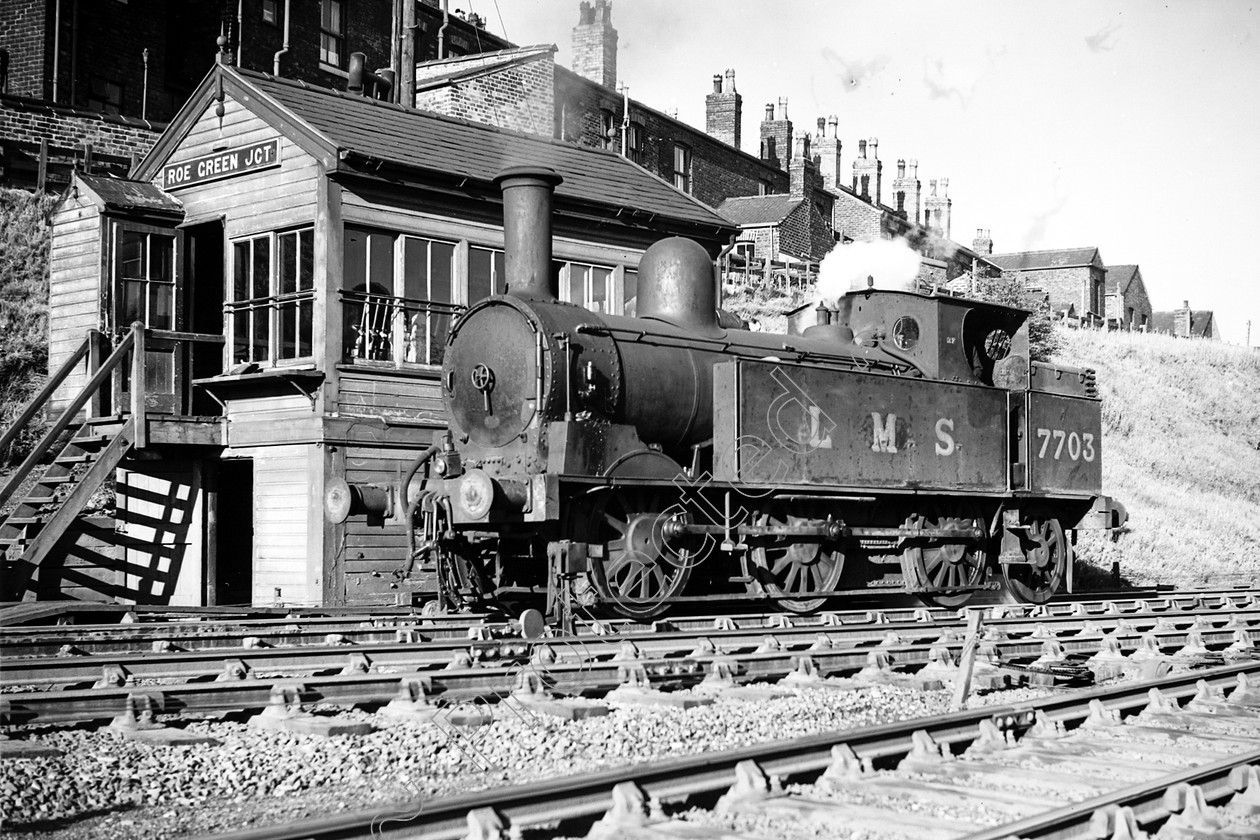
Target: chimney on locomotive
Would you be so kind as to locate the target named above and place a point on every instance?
(527, 193)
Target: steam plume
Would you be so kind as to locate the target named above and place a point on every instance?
(891, 262)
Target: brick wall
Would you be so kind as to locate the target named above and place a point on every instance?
(718, 170)
(1076, 286)
(24, 29)
(367, 30)
(1135, 298)
(24, 119)
(519, 97)
(855, 219)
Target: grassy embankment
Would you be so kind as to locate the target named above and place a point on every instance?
(1181, 450)
(24, 241)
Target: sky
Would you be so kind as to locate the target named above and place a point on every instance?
(1130, 126)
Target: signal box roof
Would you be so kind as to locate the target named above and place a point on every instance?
(353, 134)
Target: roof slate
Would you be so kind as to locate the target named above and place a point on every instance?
(759, 209)
(1054, 258)
(425, 141)
(1119, 277)
(122, 194)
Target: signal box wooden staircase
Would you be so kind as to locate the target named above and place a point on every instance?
(80, 455)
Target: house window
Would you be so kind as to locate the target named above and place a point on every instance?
(634, 142)
(399, 296)
(104, 96)
(332, 32)
(272, 309)
(144, 275)
(682, 167)
(271, 12)
(608, 130)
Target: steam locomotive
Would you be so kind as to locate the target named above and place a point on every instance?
(902, 443)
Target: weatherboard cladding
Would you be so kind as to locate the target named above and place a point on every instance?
(429, 142)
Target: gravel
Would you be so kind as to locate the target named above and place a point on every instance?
(103, 787)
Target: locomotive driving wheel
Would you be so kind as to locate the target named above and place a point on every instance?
(1047, 552)
(640, 569)
(787, 566)
(949, 564)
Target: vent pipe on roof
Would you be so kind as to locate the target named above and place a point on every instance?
(366, 83)
(527, 194)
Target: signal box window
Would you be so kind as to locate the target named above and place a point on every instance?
(399, 297)
(486, 273)
(273, 297)
(332, 32)
(144, 272)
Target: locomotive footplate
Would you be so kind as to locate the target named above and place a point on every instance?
(827, 531)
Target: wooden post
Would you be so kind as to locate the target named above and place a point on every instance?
(210, 558)
(95, 348)
(138, 401)
(41, 177)
(407, 58)
(962, 683)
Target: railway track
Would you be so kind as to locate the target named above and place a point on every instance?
(829, 778)
(1076, 647)
(874, 658)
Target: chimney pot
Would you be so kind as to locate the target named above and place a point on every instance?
(729, 87)
(717, 83)
(1185, 304)
(783, 107)
(769, 111)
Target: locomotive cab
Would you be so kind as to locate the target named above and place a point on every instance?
(948, 338)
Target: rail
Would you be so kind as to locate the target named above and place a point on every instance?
(589, 795)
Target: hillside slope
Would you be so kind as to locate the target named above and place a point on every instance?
(1181, 450)
(24, 241)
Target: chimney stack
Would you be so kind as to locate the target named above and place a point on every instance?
(827, 150)
(595, 44)
(724, 110)
(776, 136)
(868, 171)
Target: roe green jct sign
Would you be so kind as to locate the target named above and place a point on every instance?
(225, 164)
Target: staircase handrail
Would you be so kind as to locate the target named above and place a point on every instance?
(45, 443)
(54, 382)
